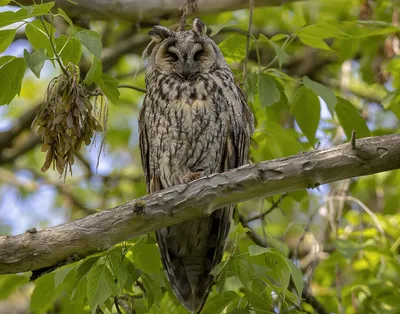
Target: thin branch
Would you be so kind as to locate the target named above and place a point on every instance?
(73, 241)
(132, 87)
(275, 204)
(248, 35)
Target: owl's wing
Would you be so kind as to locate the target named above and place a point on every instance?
(241, 135)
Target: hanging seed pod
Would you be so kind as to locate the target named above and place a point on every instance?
(66, 119)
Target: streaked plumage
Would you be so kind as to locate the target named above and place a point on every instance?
(194, 122)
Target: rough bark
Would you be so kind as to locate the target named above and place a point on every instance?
(142, 10)
(72, 241)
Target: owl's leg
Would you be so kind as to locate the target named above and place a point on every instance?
(191, 176)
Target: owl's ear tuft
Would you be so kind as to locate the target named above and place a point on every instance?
(159, 33)
(199, 27)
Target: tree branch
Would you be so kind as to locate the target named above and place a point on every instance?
(139, 10)
(72, 241)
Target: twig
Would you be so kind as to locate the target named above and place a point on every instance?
(132, 87)
(117, 306)
(246, 58)
(54, 48)
(312, 300)
(353, 139)
(273, 206)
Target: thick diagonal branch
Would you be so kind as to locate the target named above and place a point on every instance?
(73, 241)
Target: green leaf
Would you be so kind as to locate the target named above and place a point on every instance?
(44, 294)
(4, 2)
(349, 248)
(38, 37)
(69, 49)
(92, 41)
(35, 60)
(306, 109)
(278, 37)
(65, 16)
(217, 303)
(268, 92)
(61, 273)
(314, 42)
(119, 270)
(39, 9)
(323, 30)
(240, 230)
(391, 102)
(255, 250)
(5, 59)
(324, 92)
(350, 119)
(100, 286)
(240, 311)
(279, 267)
(215, 29)
(259, 303)
(152, 285)
(95, 71)
(11, 75)
(234, 48)
(147, 257)
(298, 196)
(9, 283)
(297, 277)
(109, 86)
(133, 275)
(6, 38)
(8, 17)
(243, 269)
(280, 52)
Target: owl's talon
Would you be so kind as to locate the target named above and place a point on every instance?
(191, 176)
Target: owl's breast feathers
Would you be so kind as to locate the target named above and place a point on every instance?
(193, 127)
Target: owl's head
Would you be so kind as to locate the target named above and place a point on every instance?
(184, 54)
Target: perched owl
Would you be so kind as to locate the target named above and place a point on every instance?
(194, 122)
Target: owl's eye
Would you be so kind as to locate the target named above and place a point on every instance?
(171, 56)
(198, 55)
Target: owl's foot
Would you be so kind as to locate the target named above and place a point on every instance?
(191, 176)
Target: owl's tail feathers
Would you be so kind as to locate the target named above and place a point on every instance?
(189, 281)
(189, 251)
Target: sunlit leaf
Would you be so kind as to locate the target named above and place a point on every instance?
(95, 71)
(92, 41)
(35, 60)
(314, 42)
(350, 119)
(306, 109)
(6, 59)
(100, 285)
(69, 49)
(297, 277)
(217, 303)
(44, 294)
(255, 250)
(11, 75)
(325, 93)
(109, 86)
(147, 257)
(267, 90)
(39, 35)
(9, 283)
(6, 38)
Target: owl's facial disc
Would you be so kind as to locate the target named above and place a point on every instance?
(185, 56)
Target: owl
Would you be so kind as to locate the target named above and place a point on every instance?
(194, 122)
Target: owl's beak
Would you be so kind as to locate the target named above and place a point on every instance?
(187, 71)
